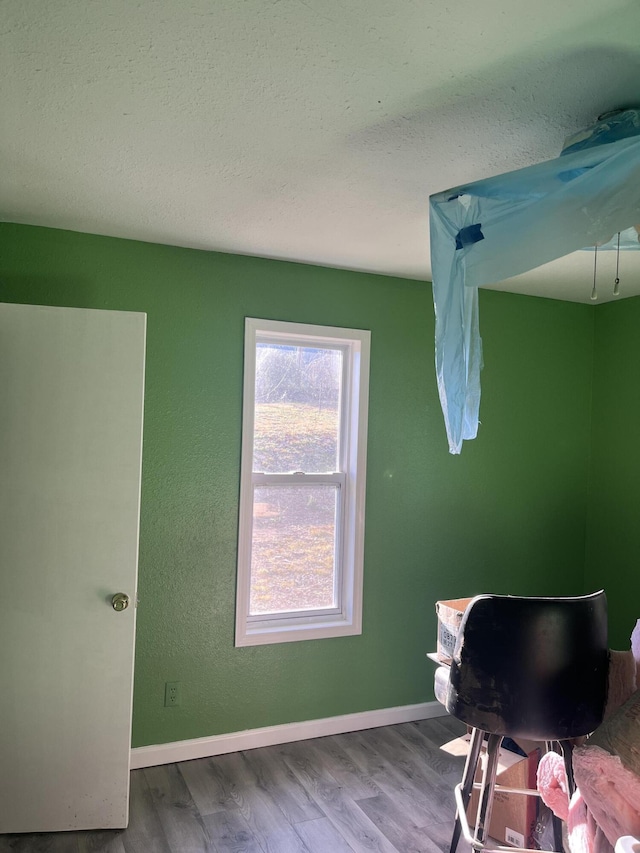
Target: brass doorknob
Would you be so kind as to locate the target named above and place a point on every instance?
(120, 601)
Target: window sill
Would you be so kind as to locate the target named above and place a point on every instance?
(261, 634)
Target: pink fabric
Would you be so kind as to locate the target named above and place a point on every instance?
(622, 679)
(594, 828)
(611, 791)
(606, 803)
(552, 784)
(585, 836)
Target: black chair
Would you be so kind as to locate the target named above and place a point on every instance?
(534, 668)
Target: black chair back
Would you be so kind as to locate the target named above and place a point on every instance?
(533, 668)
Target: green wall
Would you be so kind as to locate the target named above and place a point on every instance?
(508, 515)
(613, 532)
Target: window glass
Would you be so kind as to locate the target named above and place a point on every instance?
(297, 412)
(293, 558)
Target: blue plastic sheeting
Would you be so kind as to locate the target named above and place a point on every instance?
(619, 124)
(484, 232)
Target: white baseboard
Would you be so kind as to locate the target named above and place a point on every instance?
(185, 750)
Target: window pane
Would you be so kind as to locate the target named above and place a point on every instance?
(297, 415)
(293, 554)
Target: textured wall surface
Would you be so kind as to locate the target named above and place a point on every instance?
(508, 515)
(613, 532)
(307, 130)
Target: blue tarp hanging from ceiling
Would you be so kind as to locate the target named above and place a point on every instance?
(484, 232)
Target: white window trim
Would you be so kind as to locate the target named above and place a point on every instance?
(346, 620)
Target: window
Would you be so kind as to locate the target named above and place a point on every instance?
(302, 491)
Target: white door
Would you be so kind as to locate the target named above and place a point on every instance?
(71, 393)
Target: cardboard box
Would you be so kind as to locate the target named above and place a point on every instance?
(514, 816)
(450, 615)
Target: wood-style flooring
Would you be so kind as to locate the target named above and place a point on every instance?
(387, 790)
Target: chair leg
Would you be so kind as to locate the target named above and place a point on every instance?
(567, 753)
(473, 756)
(556, 822)
(485, 805)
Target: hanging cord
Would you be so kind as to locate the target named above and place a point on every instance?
(594, 292)
(616, 286)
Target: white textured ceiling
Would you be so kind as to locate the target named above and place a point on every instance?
(309, 130)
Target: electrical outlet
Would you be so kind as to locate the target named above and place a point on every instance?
(172, 694)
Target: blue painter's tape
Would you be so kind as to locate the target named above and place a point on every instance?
(469, 235)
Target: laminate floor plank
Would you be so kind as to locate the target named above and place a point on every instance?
(428, 761)
(440, 834)
(419, 805)
(181, 821)
(392, 822)
(268, 823)
(386, 790)
(443, 763)
(328, 753)
(211, 788)
(145, 831)
(43, 842)
(237, 770)
(231, 833)
(281, 783)
(350, 821)
(447, 768)
(299, 757)
(415, 773)
(104, 841)
(321, 836)
(441, 729)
